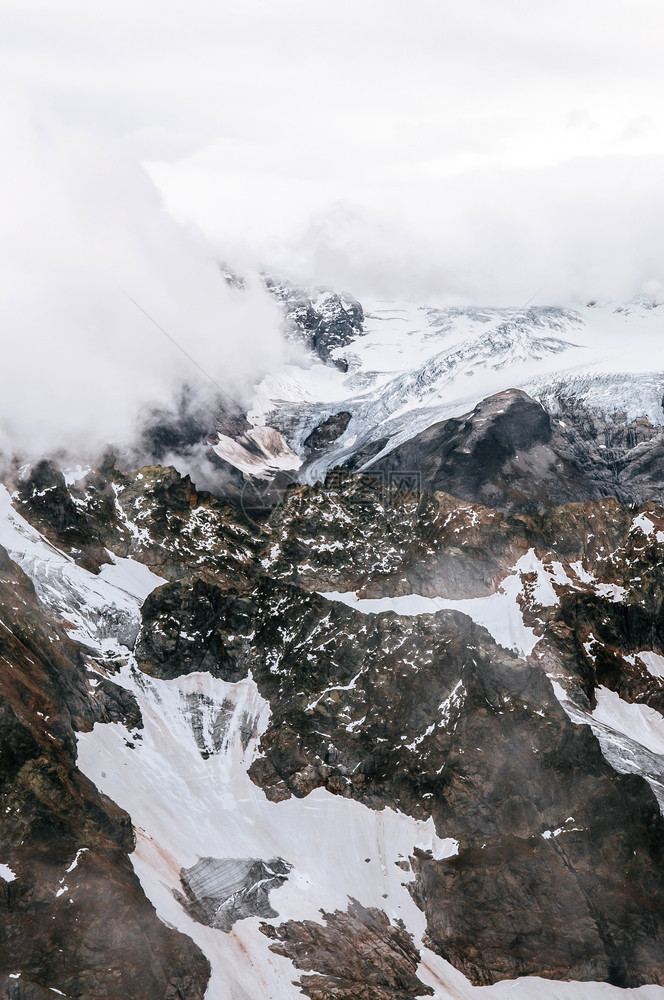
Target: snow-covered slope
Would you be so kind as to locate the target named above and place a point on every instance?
(101, 610)
(183, 779)
(186, 807)
(415, 365)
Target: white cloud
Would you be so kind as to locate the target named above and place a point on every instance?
(484, 150)
(584, 229)
(83, 228)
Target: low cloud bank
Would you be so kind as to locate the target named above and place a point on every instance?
(84, 229)
(585, 229)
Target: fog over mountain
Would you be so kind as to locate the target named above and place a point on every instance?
(84, 233)
(476, 154)
(331, 500)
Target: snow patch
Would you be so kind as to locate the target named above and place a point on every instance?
(643, 523)
(75, 473)
(98, 607)
(631, 737)
(638, 722)
(132, 577)
(612, 591)
(499, 613)
(74, 863)
(654, 663)
(6, 873)
(186, 805)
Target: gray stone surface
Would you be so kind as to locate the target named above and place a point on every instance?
(220, 891)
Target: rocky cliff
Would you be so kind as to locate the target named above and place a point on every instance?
(380, 717)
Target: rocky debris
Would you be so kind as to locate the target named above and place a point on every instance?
(43, 664)
(328, 431)
(606, 639)
(319, 319)
(75, 917)
(220, 891)
(365, 708)
(190, 627)
(603, 558)
(353, 954)
(179, 531)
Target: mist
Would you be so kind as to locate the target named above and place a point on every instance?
(467, 153)
(84, 234)
(585, 230)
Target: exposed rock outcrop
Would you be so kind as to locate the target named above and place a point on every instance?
(380, 965)
(328, 431)
(75, 917)
(513, 454)
(189, 627)
(155, 516)
(220, 891)
(321, 320)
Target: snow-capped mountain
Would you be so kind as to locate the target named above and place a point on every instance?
(398, 736)
(410, 367)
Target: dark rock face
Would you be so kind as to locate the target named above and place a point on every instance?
(75, 917)
(48, 504)
(503, 454)
(359, 533)
(178, 430)
(512, 454)
(155, 516)
(380, 965)
(194, 627)
(516, 851)
(321, 320)
(220, 891)
(478, 739)
(327, 431)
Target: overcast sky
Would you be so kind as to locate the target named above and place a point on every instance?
(475, 151)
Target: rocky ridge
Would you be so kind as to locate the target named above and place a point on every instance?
(320, 320)
(73, 915)
(435, 707)
(382, 708)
